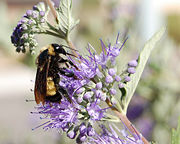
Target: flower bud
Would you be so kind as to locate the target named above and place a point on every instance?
(87, 95)
(118, 78)
(71, 134)
(90, 130)
(29, 12)
(109, 79)
(131, 70)
(111, 72)
(34, 15)
(127, 78)
(112, 91)
(81, 138)
(42, 13)
(121, 85)
(133, 63)
(82, 128)
(79, 99)
(80, 90)
(99, 85)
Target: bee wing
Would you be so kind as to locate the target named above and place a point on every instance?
(41, 81)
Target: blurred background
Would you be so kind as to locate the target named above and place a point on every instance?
(155, 107)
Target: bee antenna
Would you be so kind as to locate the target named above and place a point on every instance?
(69, 47)
(71, 54)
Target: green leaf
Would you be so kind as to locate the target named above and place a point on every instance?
(65, 20)
(175, 134)
(142, 60)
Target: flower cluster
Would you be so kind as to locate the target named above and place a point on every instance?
(31, 23)
(96, 81)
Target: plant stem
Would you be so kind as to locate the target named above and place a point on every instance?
(52, 9)
(126, 121)
(130, 126)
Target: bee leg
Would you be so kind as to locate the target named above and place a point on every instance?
(63, 92)
(66, 61)
(65, 73)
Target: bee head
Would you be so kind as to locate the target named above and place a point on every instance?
(58, 49)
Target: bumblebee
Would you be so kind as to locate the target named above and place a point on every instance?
(51, 62)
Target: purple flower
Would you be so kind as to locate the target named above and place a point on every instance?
(62, 115)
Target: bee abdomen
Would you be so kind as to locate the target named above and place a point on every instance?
(51, 89)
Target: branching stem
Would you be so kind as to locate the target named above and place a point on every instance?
(70, 44)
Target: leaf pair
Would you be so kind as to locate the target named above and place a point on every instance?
(65, 20)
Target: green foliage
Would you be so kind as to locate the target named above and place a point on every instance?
(142, 60)
(65, 20)
(175, 134)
